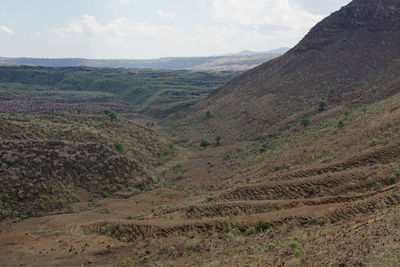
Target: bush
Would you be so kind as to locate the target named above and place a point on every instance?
(322, 106)
(305, 122)
(392, 179)
(110, 114)
(315, 221)
(218, 140)
(340, 124)
(251, 231)
(127, 263)
(208, 114)
(271, 246)
(119, 146)
(204, 144)
(143, 257)
(262, 226)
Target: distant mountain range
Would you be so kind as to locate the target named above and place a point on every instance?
(240, 61)
(281, 50)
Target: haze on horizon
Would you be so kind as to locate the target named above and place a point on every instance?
(154, 28)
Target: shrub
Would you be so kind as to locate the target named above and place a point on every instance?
(171, 146)
(378, 186)
(150, 124)
(271, 246)
(208, 114)
(264, 146)
(110, 114)
(315, 221)
(143, 257)
(392, 179)
(204, 144)
(218, 140)
(118, 146)
(104, 211)
(251, 231)
(294, 244)
(127, 263)
(129, 217)
(340, 124)
(322, 106)
(262, 226)
(305, 122)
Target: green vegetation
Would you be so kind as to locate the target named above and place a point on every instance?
(112, 115)
(118, 146)
(154, 92)
(341, 124)
(204, 144)
(305, 122)
(315, 221)
(144, 257)
(104, 210)
(208, 114)
(262, 226)
(218, 140)
(127, 263)
(322, 106)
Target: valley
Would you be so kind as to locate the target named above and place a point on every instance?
(295, 162)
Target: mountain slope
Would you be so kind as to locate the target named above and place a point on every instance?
(350, 58)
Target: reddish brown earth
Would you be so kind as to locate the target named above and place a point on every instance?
(342, 212)
(327, 194)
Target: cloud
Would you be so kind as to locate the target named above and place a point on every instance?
(5, 31)
(165, 14)
(120, 38)
(238, 25)
(279, 13)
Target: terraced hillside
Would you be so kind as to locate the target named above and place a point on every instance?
(232, 205)
(315, 184)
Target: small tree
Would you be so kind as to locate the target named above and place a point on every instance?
(340, 124)
(218, 140)
(208, 114)
(110, 114)
(204, 144)
(305, 122)
(322, 106)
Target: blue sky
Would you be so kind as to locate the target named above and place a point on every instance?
(154, 28)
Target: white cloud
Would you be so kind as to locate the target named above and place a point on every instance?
(238, 25)
(5, 31)
(165, 14)
(264, 12)
(118, 38)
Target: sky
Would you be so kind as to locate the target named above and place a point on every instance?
(154, 28)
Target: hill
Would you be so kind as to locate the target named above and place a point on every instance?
(153, 92)
(239, 62)
(347, 60)
(323, 192)
(50, 161)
